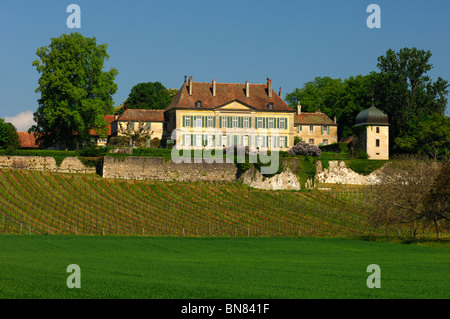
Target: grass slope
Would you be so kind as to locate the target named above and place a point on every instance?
(147, 267)
(33, 202)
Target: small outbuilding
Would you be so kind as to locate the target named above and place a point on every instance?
(374, 133)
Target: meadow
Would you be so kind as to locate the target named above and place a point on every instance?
(34, 267)
(160, 240)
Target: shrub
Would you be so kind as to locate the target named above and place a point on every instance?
(303, 148)
(118, 141)
(92, 151)
(297, 140)
(362, 155)
(155, 142)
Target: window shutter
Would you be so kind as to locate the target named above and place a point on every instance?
(250, 122)
(203, 121)
(278, 122)
(192, 139)
(184, 124)
(220, 121)
(214, 121)
(328, 128)
(192, 120)
(300, 127)
(321, 129)
(285, 141)
(229, 120)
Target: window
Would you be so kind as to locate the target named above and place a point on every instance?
(282, 123)
(259, 122)
(148, 125)
(235, 121)
(325, 129)
(198, 121)
(281, 141)
(325, 142)
(198, 140)
(198, 103)
(245, 140)
(210, 121)
(270, 106)
(224, 140)
(378, 129)
(187, 140)
(299, 128)
(245, 122)
(224, 121)
(311, 141)
(270, 142)
(187, 121)
(270, 122)
(311, 128)
(209, 140)
(377, 142)
(259, 141)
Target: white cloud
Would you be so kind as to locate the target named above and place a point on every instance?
(22, 121)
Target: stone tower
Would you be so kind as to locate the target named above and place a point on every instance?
(374, 133)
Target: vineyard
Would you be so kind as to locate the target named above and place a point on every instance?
(35, 202)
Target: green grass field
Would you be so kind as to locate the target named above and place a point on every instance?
(215, 268)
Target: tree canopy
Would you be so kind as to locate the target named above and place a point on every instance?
(413, 102)
(335, 97)
(408, 96)
(149, 95)
(75, 91)
(9, 139)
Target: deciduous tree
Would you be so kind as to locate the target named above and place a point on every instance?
(399, 198)
(75, 91)
(149, 95)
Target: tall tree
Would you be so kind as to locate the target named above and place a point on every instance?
(9, 139)
(406, 94)
(345, 99)
(149, 95)
(75, 91)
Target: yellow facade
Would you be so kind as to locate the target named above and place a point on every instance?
(377, 142)
(155, 129)
(234, 123)
(317, 134)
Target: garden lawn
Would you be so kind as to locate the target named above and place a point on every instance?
(215, 268)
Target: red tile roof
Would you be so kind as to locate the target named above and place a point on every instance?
(317, 118)
(27, 140)
(109, 119)
(225, 93)
(142, 115)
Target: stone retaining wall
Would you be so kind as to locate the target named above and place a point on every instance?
(157, 168)
(47, 163)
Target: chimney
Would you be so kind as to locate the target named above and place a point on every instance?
(280, 94)
(247, 89)
(214, 87)
(190, 85)
(334, 119)
(269, 87)
(299, 108)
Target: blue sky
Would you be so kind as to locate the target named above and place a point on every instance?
(292, 42)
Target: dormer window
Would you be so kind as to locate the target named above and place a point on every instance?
(198, 103)
(270, 106)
